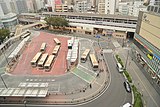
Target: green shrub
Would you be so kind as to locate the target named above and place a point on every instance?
(119, 60)
(137, 98)
(128, 76)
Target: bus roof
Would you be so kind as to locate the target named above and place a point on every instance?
(43, 45)
(49, 60)
(36, 56)
(93, 59)
(85, 53)
(43, 58)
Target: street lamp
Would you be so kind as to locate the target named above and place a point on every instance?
(98, 36)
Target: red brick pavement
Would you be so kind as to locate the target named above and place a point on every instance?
(59, 66)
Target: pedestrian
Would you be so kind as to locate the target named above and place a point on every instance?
(90, 85)
(98, 74)
(129, 63)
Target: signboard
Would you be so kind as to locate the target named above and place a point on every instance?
(150, 27)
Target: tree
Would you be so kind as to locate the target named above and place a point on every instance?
(3, 34)
(56, 22)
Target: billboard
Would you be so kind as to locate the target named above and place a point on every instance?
(150, 29)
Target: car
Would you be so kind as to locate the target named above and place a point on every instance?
(127, 87)
(126, 105)
(119, 67)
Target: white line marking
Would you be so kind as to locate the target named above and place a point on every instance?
(87, 69)
(98, 83)
(81, 77)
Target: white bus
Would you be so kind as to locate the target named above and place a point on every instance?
(43, 47)
(85, 55)
(35, 59)
(25, 35)
(56, 49)
(57, 41)
(42, 61)
(94, 62)
(48, 64)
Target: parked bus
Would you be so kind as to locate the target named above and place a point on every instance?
(43, 47)
(94, 62)
(57, 41)
(25, 35)
(56, 49)
(85, 55)
(42, 60)
(48, 64)
(36, 59)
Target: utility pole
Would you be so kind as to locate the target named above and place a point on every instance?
(126, 60)
(3, 82)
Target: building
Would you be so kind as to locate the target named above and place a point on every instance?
(123, 8)
(9, 21)
(101, 7)
(21, 6)
(131, 8)
(146, 47)
(4, 7)
(13, 6)
(88, 23)
(135, 7)
(82, 6)
(61, 8)
(110, 6)
(1, 11)
(40, 4)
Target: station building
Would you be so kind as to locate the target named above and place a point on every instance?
(88, 23)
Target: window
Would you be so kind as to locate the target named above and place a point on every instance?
(159, 10)
(152, 8)
(155, 9)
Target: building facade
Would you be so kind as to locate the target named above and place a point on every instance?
(146, 48)
(110, 6)
(21, 6)
(9, 21)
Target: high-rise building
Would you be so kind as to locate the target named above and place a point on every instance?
(1, 11)
(110, 6)
(51, 4)
(4, 6)
(82, 6)
(21, 6)
(40, 4)
(123, 8)
(101, 6)
(13, 6)
(146, 47)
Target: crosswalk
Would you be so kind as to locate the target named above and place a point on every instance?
(40, 80)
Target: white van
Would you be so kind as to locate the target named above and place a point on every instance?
(126, 105)
(119, 67)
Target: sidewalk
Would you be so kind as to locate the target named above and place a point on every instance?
(150, 96)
